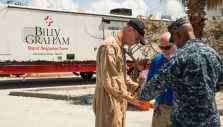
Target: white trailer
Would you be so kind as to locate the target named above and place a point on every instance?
(34, 40)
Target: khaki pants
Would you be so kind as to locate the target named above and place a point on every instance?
(161, 115)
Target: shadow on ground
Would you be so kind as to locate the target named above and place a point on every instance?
(33, 83)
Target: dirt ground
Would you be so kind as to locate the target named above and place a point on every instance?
(40, 112)
(72, 92)
(19, 111)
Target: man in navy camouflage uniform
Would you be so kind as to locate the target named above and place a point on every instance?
(196, 72)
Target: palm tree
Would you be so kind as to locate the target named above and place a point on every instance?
(196, 12)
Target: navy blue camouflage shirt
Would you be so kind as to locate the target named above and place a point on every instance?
(196, 72)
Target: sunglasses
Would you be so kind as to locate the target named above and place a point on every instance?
(165, 47)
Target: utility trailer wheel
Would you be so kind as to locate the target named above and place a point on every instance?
(86, 75)
(18, 75)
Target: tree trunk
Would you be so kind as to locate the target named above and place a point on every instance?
(196, 13)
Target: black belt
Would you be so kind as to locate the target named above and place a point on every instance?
(166, 104)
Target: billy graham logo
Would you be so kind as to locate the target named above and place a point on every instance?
(47, 35)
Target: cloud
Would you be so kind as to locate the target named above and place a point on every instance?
(39, 3)
(139, 7)
(56, 4)
(174, 8)
(104, 6)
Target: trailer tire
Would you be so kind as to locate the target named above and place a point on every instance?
(18, 75)
(86, 75)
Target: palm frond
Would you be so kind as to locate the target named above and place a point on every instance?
(214, 4)
(211, 4)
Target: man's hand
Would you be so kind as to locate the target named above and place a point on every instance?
(141, 81)
(135, 101)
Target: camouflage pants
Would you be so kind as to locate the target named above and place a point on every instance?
(161, 115)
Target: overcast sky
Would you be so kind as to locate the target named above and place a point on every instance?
(139, 7)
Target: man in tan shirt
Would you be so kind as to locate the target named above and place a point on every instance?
(113, 86)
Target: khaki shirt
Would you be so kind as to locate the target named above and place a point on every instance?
(111, 89)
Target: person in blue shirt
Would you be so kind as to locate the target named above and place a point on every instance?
(163, 103)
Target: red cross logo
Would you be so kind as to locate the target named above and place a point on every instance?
(48, 20)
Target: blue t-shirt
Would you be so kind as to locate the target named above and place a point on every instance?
(156, 64)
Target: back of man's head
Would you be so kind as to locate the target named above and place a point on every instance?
(181, 31)
(186, 28)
